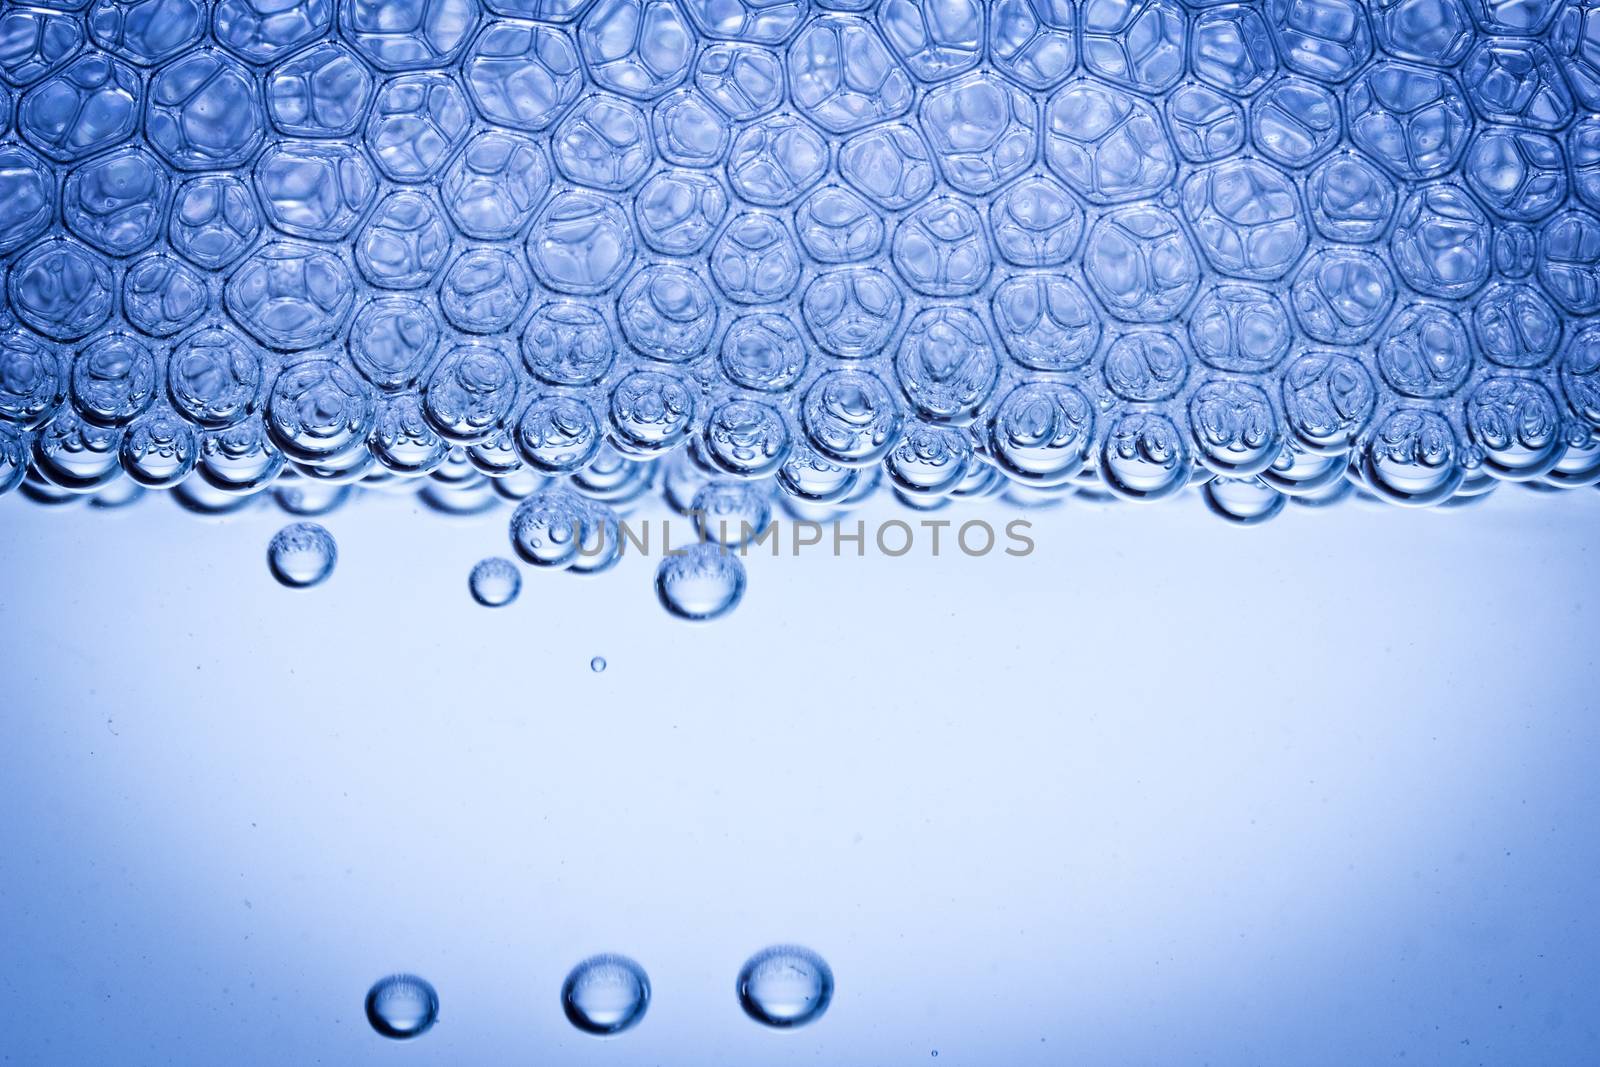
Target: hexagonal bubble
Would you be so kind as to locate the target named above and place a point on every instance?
(118, 202)
(744, 81)
(776, 160)
(936, 39)
(1516, 248)
(1520, 174)
(1230, 49)
(1246, 217)
(558, 434)
(1351, 199)
(484, 291)
(852, 312)
(1206, 125)
(1041, 432)
(1517, 82)
(843, 77)
(679, 210)
(639, 48)
(315, 189)
(1517, 425)
(405, 243)
(318, 409)
(214, 219)
(568, 343)
(146, 32)
(689, 132)
(260, 31)
(891, 165)
(1033, 41)
(1580, 374)
(33, 43)
(652, 412)
(1240, 328)
(417, 122)
(1518, 18)
(89, 105)
(1324, 39)
(1411, 120)
(60, 289)
(946, 364)
(1145, 365)
(930, 461)
(1138, 44)
(408, 34)
(1441, 243)
(539, 10)
(495, 185)
(1569, 260)
(1140, 264)
(214, 377)
(162, 295)
(1412, 458)
(28, 190)
(403, 440)
(1145, 457)
(580, 243)
(941, 249)
(114, 379)
(755, 260)
(756, 21)
(522, 75)
(1575, 40)
(604, 143)
(1106, 145)
(391, 340)
(1583, 149)
(1341, 295)
(322, 92)
(1235, 430)
(470, 392)
(850, 417)
(1036, 222)
(291, 296)
(1436, 32)
(982, 131)
(763, 352)
(666, 312)
(1046, 321)
(33, 380)
(1295, 121)
(836, 226)
(1515, 326)
(1327, 399)
(1425, 352)
(204, 113)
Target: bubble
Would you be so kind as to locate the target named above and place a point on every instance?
(732, 512)
(301, 555)
(402, 1006)
(494, 582)
(546, 528)
(785, 986)
(1245, 501)
(598, 664)
(700, 583)
(605, 995)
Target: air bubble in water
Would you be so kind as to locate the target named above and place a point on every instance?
(701, 582)
(402, 1006)
(597, 664)
(605, 995)
(302, 554)
(495, 582)
(732, 512)
(785, 986)
(546, 528)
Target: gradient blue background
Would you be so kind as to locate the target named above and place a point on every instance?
(1165, 792)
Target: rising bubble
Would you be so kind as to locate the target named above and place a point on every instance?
(302, 554)
(402, 1006)
(605, 995)
(495, 582)
(702, 582)
(785, 986)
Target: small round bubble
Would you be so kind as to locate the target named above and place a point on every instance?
(785, 986)
(495, 582)
(700, 583)
(598, 664)
(302, 554)
(402, 1006)
(605, 995)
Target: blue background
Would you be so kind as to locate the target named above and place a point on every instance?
(1165, 792)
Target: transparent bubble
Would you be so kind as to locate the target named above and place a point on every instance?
(700, 583)
(605, 995)
(732, 512)
(402, 1006)
(301, 555)
(546, 528)
(494, 582)
(598, 664)
(1245, 501)
(785, 986)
